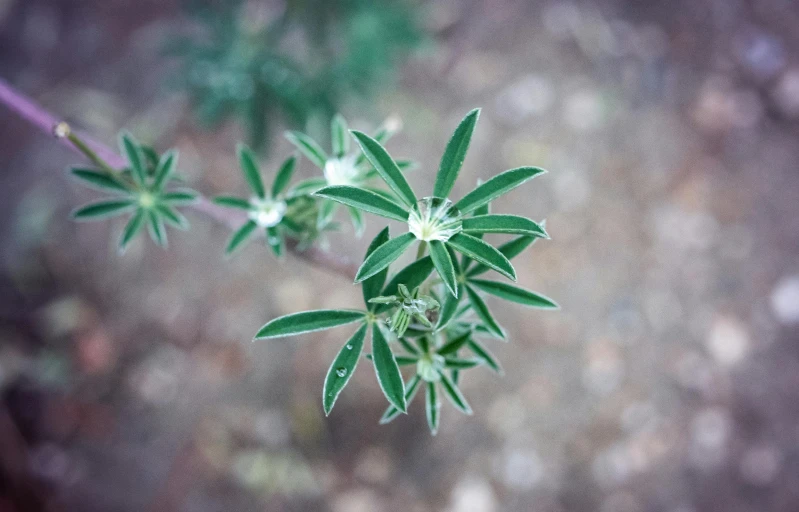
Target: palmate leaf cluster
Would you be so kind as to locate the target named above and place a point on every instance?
(433, 322)
(253, 65)
(430, 316)
(140, 190)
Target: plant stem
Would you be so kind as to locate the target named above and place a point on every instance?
(62, 130)
(421, 249)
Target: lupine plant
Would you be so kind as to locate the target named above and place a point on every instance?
(432, 323)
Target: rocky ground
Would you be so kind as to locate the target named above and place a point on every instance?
(667, 382)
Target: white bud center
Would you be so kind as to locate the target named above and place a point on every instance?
(266, 212)
(341, 171)
(434, 218)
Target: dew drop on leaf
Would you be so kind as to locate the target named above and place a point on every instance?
(349, 347)
(341, 372)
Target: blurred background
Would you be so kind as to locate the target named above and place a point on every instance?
(667, 382)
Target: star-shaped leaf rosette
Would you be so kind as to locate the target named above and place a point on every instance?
(273, 211)
(436, 221)
(431, 324)
(343, 166)
(140, 189)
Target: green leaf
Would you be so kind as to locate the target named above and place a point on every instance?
(410, 392)
(104, 209)
(432, 407)
(454, 394)
(514, 294)
(454, 154)
(510, 250)
(358, 223)
(342, 368)
(308, 321)
(274, 238)
(506, 224)
(306, 187)
(232, 202)
(444, 266)
(166, 168)
(284, 175)
(365, 200)
(183, 196)
(481, 309)
(383, 256)
(387, 167)
(371, 287)
(487, 357)
(132, 228)
(156, 228)
(338, 132)
(482, 252)
(240, 236)
(99, 180)
(449, 308)
(406, 360)
(455, 363)
(173, 217)
(496, 186)
(388, 373)
(249, 167)
(130, 148)
(455, 344)
(308, 147)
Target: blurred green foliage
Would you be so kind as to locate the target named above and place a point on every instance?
(254, 62)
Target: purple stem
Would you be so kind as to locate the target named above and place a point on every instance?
(34, 114)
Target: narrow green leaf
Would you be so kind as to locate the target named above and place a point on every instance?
(496, 186)
(482, 252)
(308, 321)
(240, 236)
(342, 368)
(386, 166)
(432, 407)
(283, 177)
(407, 345)
(487, 357)
(388, 373)
(173, 217)
(358, 224)
(506, 224)
(406, 360)
(482, 210)
(249, 167)
(132, 228)
(410, 392)
(449, 308)
(156, 228)
(306, 187)
(383, 256)
(455, 344)
(454, 154)
(371, 287)
(514, 294)
(130, 148)
(308, 147)
(483, 313)
(232, 202)
(99, 180)
(104, 209)
(444, 266)
(338, 132)
(454, 394)
(510, 250)
(274, 238)
(456, 363)
(183, 196)
(166, 168)
(365, 200)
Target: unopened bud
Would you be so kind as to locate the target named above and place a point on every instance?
(62, 130)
